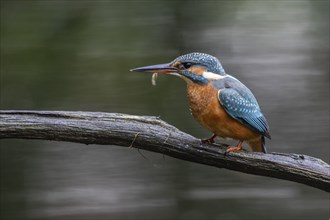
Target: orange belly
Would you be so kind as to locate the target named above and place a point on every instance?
(207, 110)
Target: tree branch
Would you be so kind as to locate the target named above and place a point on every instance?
(153, 134)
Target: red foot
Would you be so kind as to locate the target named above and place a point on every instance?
(209, 140)
(239, 147)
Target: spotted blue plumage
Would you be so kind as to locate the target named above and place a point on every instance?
(240, 103)
(203, 59)
(237, 100)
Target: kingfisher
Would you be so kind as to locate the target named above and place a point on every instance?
(218, 101)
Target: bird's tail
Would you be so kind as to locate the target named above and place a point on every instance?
(258, 145)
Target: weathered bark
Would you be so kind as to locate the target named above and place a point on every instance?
(153, 134)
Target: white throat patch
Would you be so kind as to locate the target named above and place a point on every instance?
(213, 76)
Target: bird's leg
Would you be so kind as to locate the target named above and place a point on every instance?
(237, 148)
(209, 140)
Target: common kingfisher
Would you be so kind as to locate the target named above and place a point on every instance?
(218, 101)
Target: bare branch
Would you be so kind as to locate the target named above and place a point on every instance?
(153, 134)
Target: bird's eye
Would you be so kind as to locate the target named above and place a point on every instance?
(186, 65)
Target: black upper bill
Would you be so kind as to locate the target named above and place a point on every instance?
(159, 68)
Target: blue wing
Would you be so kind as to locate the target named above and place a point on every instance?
(240, 103)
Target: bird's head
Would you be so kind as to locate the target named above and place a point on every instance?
(193, 67)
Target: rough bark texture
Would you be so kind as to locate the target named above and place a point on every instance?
(153, 134)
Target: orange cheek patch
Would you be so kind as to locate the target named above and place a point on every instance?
(197, 70)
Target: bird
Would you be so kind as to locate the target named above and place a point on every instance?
(218, 101)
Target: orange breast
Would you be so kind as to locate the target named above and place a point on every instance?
(207, 110)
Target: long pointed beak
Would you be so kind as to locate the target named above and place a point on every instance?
(159, 68)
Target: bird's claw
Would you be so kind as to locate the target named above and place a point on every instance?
(209, 140)
(231, 148)
(239, 147)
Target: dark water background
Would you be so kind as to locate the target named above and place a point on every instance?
(75, 55)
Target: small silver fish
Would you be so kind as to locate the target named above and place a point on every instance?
(154, 78)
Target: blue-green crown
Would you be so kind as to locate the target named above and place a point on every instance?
(210, 62)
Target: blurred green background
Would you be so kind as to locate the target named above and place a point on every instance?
(76, 55)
